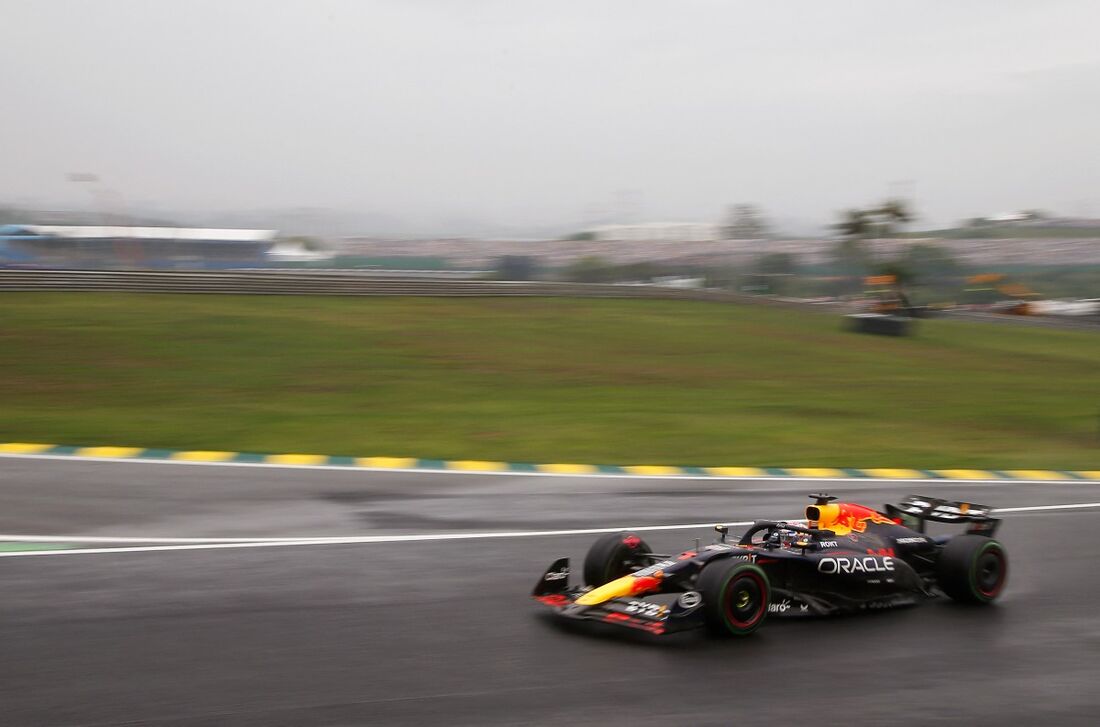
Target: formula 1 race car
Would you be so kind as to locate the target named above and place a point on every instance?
(845, 558)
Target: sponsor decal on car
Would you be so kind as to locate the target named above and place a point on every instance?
(651, 569)
(645, 608)
(786, 605)
(911, 541)
(559, 575)
(866, 564)
(825, 544)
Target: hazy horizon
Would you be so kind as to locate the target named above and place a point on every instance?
(489, 115)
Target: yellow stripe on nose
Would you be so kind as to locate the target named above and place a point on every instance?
(615, 589)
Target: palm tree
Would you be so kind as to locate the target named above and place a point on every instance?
(854, 224)
(892, 212)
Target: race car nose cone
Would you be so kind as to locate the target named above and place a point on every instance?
(624, 586)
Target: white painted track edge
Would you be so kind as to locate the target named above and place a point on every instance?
(422, 537)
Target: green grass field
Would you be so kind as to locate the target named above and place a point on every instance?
(541, 380)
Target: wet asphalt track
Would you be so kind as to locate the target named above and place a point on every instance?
(443, 633)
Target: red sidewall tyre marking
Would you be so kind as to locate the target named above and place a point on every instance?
(761, 609)
(1002, 575)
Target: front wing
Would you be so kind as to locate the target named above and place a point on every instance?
(553, 590)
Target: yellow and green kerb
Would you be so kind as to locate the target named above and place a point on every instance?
(113, 453)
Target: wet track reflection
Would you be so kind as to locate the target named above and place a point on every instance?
(405, 633)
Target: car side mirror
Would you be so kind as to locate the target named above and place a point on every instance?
(723, 531)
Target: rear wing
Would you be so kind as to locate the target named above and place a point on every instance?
(916, 510)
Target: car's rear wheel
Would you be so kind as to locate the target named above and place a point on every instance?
(972, 569)
(735, 597)
(613, 556)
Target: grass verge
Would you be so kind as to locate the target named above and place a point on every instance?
(542, 380)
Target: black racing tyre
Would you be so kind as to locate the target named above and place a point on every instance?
(735, 597)
(613, 556)
(972, 569)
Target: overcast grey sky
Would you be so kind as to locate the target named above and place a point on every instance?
(538, 113)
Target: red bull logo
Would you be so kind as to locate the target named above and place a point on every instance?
(844, 518)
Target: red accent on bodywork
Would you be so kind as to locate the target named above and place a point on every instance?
(622, 619)
(645, 584)
(632, 541)
(554, 599)
(688, 555)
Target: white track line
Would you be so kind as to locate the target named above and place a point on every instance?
(358, 539)
(1040, 508)
(422, 537)
(937, 481)
(8, 538)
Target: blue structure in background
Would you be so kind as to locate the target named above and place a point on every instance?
(111, 248)
(11, 252)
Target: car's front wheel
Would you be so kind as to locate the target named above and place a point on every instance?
(735, 597)
(613, 556)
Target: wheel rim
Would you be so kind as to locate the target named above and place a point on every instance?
(989, 572)
(745, 601)
(630, 560)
